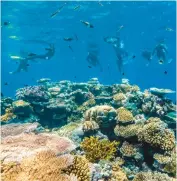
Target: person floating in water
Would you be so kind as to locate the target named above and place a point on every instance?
(24, 61)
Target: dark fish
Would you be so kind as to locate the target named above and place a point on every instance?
(89, 67)
(87, 24)
(6, 23)
(56, 12)
(134, 56)
(27, 65)
(75, 77)
(165, 72)
(25, 85)
(123, 73)
(70, 48)
(2, 95)
(31, 54)
(6, 83)
(68, 39)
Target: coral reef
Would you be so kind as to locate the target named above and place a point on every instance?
(9, 115)
(128, 150)
(96, 149)
(90, 126)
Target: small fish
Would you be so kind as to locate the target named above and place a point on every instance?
(89, 67)
(6, 83)
(123, 73)
(31, 54)
(68, 39)
(2, 95)
(75, 77)
(70, 48)
(169, 29)
(56, 12)
(133, 56)
(87, 24)
(26, 85)
(6, 23)
(165, 72)
(77, 8)
(112, 40)
(28, 65)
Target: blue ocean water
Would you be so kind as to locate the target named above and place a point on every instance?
(144, 25)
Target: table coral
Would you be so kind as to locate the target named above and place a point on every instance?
(124, 115)
(96, 149)
(15, 148)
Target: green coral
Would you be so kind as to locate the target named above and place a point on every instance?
(96, 149)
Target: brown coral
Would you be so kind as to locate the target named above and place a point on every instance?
(96, 149)
(155, 134)
(90, 126)
(124, 115)
(128, 150)
(44, 166)
(80, 168)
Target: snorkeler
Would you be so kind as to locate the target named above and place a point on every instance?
(23, 62)
(161, 52)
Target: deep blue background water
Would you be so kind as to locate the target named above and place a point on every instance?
(143, 26)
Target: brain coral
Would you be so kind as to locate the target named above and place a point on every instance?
(155, 134)
(44, 166)
(15, 148)
(103, 115)
(96, 149)
(124, 115)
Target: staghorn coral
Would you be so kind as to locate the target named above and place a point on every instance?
(9, 115)
(96, 149)
(128, 150)
(90, 126)
(152, 176)
(44, 166)
(155, 134)
(103, 115)
(118, 174)
(15, 148)
(124, 115)
(80, 168)
(127, 131)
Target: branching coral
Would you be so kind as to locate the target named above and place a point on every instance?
(155, 134)
(103, 115)
(128, 150)
(9, 114)
(124, 115)
(44, 166)
(152, 176)
(80, 168)
(90, 126)
(96, 149)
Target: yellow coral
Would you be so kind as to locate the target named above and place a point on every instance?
(20, 103)
(124, 115)
(90, 126)
(96, 149)
(135, 88)
(44, 166)
(8, 115)
(80, 168)
(128, 150)
(118, 174)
